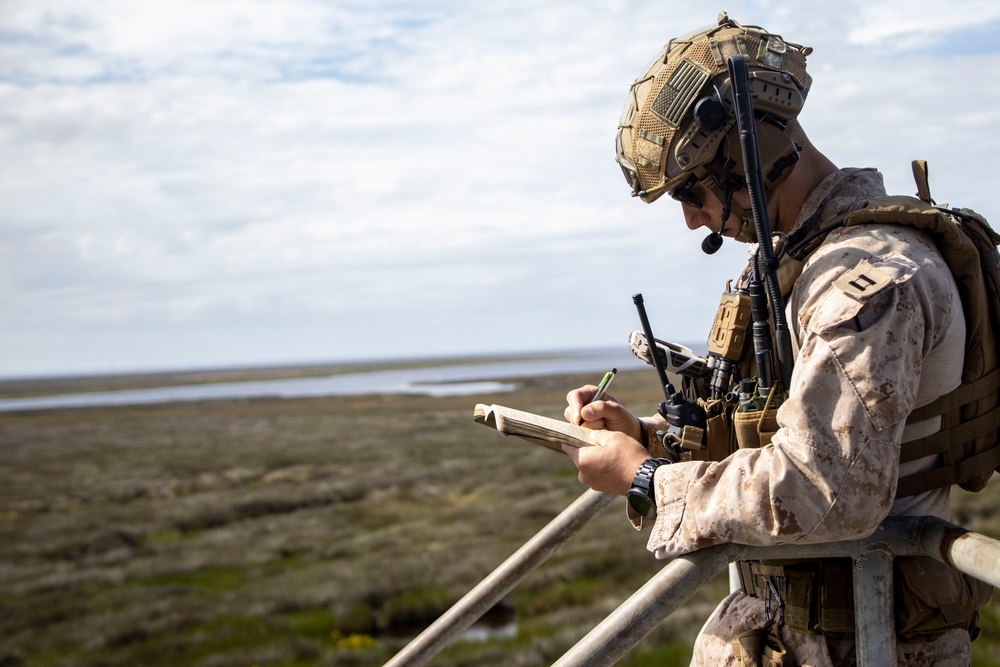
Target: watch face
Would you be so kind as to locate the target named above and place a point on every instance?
(640, 503)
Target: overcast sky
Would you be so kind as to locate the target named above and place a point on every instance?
(226, 182)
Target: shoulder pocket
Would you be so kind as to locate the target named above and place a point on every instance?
(846, 298)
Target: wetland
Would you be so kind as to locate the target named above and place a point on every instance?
(315, 531)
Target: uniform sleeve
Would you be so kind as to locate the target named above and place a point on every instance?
(830, 471)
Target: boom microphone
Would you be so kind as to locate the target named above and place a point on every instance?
(712, 243)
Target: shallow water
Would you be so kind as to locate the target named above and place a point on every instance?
(448, 380)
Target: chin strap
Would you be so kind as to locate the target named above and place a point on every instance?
(724, 191)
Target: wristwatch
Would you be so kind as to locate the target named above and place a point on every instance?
(641, 495)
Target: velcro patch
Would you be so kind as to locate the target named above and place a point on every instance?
(648, 148)
(679, 92)
(863, 281)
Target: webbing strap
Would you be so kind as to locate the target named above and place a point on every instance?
(948, 475)
(919, 168)
(951, 438)
(962, 395)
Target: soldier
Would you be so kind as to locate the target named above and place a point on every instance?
(878, 330)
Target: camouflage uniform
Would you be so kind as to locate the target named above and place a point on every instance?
(830, 473)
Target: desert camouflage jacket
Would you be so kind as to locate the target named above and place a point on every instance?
(861, 366)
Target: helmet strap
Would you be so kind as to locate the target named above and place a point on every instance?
(723, 189)
(730, 186)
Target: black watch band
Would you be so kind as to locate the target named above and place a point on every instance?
(641, 495)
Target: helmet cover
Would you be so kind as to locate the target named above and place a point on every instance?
(680, 117)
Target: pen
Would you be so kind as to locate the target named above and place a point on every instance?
(601, 388)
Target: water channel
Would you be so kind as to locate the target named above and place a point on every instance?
(444, 380)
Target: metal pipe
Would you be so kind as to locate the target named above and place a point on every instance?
(973, 554)
(670, 588)
(498, 583)
(874, 628)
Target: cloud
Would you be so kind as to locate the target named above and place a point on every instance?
(926, 24)
(250, 181)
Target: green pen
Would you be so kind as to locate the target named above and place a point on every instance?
(601, 388)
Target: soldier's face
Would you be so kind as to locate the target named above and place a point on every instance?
(710, 213)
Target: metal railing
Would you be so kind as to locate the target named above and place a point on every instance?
(971, 553)
(501, 581)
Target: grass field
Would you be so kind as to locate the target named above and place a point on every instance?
(321, 531)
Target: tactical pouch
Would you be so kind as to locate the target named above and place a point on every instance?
(933, 598)
(800, 606)
(817, 594)
(761, 647)
(718, 435)
(755, 428)
(836, 597)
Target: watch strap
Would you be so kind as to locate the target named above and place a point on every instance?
(642, 494)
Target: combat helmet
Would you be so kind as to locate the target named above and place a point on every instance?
(678, 127)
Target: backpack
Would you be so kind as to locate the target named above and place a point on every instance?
(969, 439)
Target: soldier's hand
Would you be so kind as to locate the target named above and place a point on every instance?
(607, 413)
(611, 465)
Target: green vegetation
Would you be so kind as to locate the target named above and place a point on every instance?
(323, 531)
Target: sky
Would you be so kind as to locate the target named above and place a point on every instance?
(213, 183)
